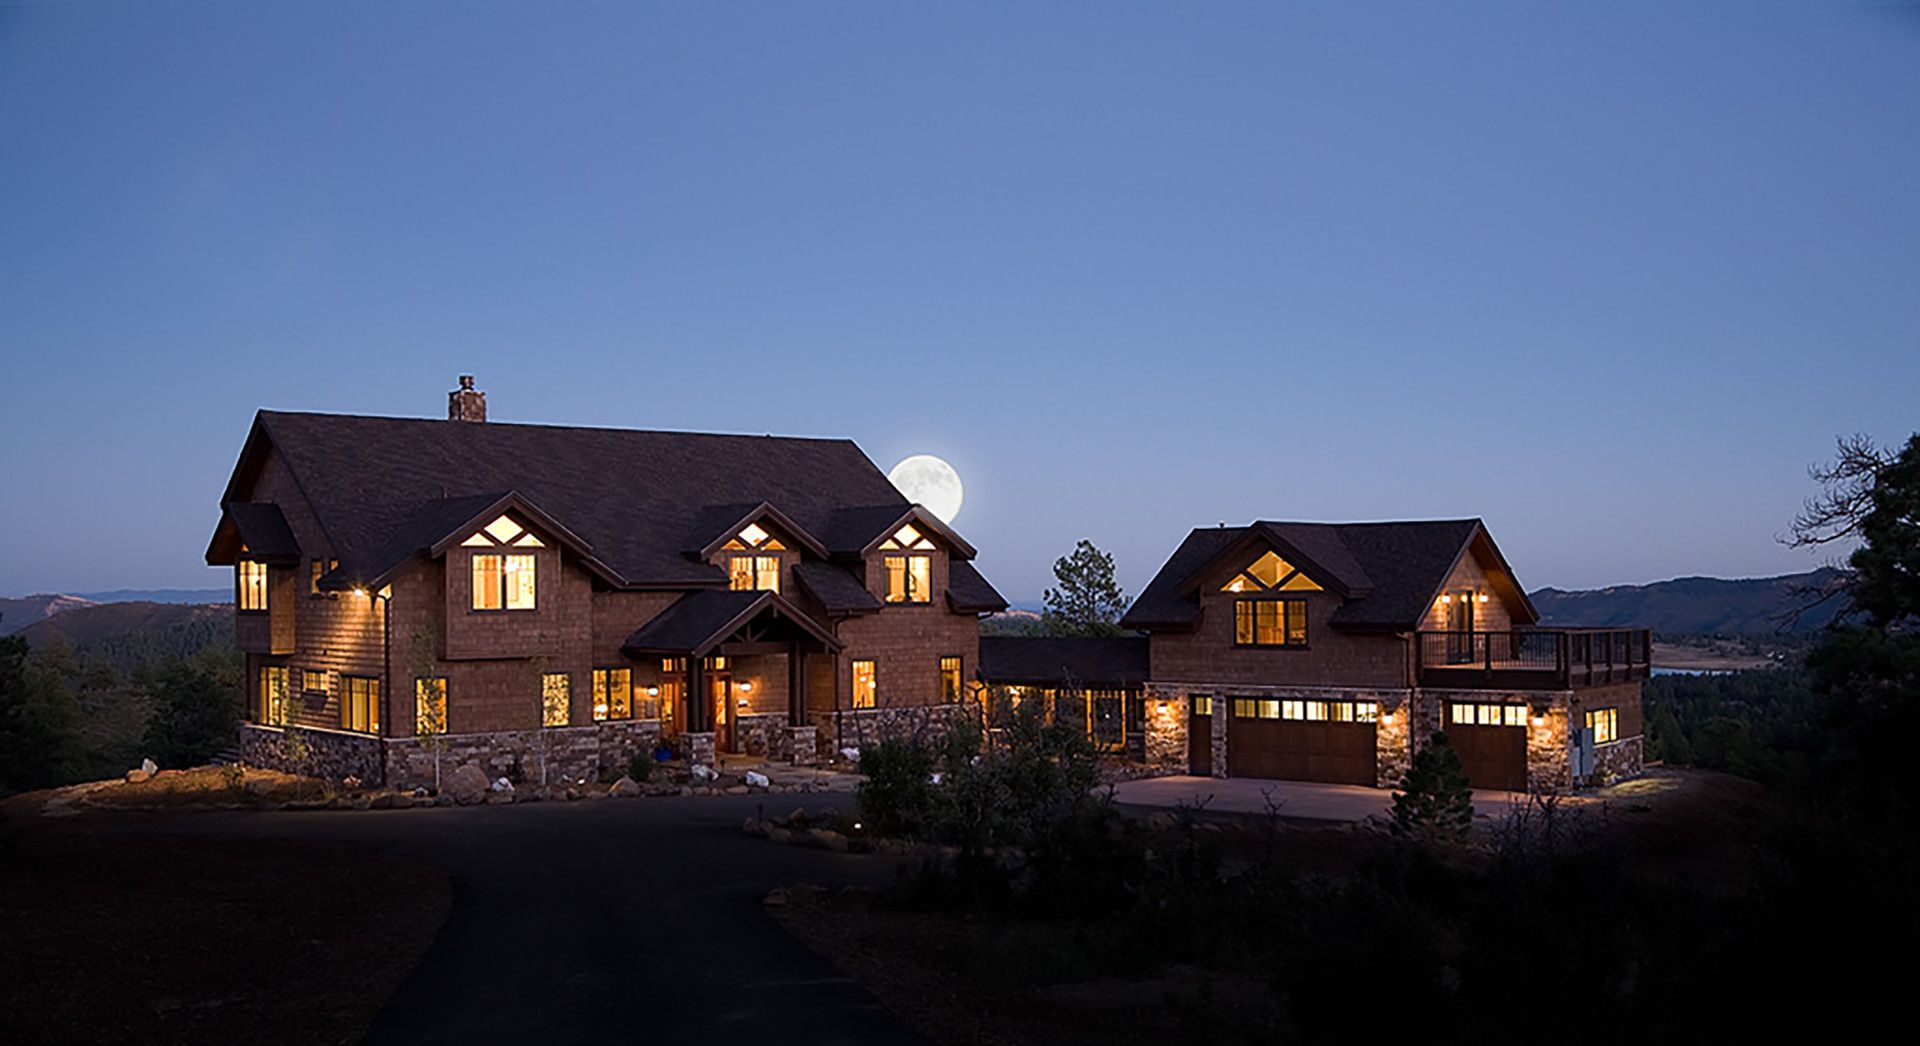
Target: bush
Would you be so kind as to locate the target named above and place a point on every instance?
(196, 710)
(640, 767)
(1435, 801)
(896, 799)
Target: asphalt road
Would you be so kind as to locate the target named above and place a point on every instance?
(610, 921)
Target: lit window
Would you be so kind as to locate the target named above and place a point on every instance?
(253, 584)
(1270, 573)
(1513, 715)
(753, 535)
(274, 684)
(950, 680)
(1259, 708)
(1366, 711)
(864, 685)
(1462, 715)
(751, 573)
(612, 694)
(1293, 709)
(503, 582)
(1340, 711)
(504, 530)
(909, 579)
(430, 705)
(1270, 622)
(1489, 715)
(360, 704)
(1203, 705)
(317, 570)
(556, 699)
(1605, 724)
(907, 537)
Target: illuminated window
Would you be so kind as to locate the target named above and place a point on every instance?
(1270, 573)
(1514, 715)
(430, 705)
(503, 582)
(751, 573)
(556, 699)
(1488, 715)
(612, 694)
(1605, 724)
(360, 704)
(1260, 708)
(317, 570)
(253, 584)
(950, 680)
(1270, 622)
(274, 685)
(909, 578)
(1366, 711)
(673, 664)
(1460, 715)
(864, 686)
(1203, 705)
(907, 538)
(1340, 711)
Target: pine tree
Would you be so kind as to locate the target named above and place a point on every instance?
(1088, 602)
(1435, 801)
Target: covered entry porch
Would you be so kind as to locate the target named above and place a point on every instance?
(741, 661)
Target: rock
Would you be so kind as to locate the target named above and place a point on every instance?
(169, 773)
(798, 817)
(362, 803)
(134, 777)
(467, 785)
(499, 798)
(779, 835)
(625, 788)
(775, 898)
(701, 772)
(401, 801)
(1161, 821)
(736, 790)
(828, 839)
(383, 801)
(443, 799)
(349, 782)
(755, 827)
(501, 784)
(150, 767)
(340, 802)
(685, 791)
(758, 780)
(572, 794)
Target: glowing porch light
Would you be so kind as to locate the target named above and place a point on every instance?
(653, 691)
(746, 688)
(1446, 599)
(1483, 597)
(359, 592)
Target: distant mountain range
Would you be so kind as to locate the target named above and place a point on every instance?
(1695, 605)
(20, 612)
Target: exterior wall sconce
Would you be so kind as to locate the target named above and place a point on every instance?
(1446, 599)
(746, 688)
(359, 593)
(653, 691)
(1483, 597)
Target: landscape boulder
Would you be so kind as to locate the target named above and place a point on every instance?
(755, 779)
(136, 776)
(467, 785)
(828, 839)
(1161, 821)
(150, 767)
(625, 788)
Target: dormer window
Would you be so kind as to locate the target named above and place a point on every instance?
(909, 577)
(503, 580)
(749, 572)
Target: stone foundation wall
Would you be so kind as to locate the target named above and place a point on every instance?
(1622, 758)
(547, 757)
(855, 728)
(331, 754)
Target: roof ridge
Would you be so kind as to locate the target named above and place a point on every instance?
(335, 415)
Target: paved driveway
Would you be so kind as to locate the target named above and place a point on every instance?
(605, 921)
(1297, 800)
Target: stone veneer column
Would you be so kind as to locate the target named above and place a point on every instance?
(1165, 726)
(698, 747)
(801, 745)
(1222, 709)
(1392, 754)
(1549, 758)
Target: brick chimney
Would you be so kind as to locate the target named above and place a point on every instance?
(465, 404)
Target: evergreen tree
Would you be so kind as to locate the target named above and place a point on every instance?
(39, 724)
(1087, 602)
(196, 708)
(1434, 801)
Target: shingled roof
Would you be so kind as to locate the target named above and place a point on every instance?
(1388, 572)
(636, 501)
(699, 621)
(1094, 662)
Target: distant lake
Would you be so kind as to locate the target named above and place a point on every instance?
(1657, 670)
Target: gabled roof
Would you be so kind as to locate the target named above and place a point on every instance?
(700, 621)
(634, 497)
(838, 591)
(969, 592)
(1388, 573)
(1094, 662)
(260, 529)
(733, 520)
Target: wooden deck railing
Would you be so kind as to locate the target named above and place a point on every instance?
(1533, 659)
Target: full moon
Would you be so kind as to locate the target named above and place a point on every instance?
(931, 482)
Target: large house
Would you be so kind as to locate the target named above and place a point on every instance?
(1332, 651)
(547, 601)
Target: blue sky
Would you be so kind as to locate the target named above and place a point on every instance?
(1608, 275)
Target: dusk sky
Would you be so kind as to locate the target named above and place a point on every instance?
(1607, 275)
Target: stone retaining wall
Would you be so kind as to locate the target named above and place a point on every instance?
(854, 728)
(1622, 758)
(550, 756)
(332, 754)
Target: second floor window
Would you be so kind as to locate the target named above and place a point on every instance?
(252, 584)
(753, 573)
(950, 680)
(503, 581)
(865, 688)
(612, 694)
(360, 704)
(1270, 622)
(430, 705)
(909, 579)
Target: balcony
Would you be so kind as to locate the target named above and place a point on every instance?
(1535, 659)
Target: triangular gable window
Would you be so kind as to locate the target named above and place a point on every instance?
(503, 531)
(754, 536)
(1270, 573)
(907, 537)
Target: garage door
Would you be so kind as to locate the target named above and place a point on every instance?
(1492, 742)
(1302, 740)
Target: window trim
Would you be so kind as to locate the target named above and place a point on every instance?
(1289, 606)
(503, 554)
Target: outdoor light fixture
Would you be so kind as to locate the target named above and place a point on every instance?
(746, 688)
(361, 592)
(1483, 597)
(653, 691)
(1446, 599)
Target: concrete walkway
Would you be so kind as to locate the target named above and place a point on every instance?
(1295, 800)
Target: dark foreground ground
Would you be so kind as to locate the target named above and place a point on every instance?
(606, 921)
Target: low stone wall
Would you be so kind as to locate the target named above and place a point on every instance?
(854, 728)
(761, 735)
(803, 745)
(332, 754)
(1622, 758)
(552, 756)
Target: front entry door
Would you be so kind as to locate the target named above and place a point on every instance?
(1460, 629)
(720, 692)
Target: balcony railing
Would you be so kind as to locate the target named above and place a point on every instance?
(1534, 659)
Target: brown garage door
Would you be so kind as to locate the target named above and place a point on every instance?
(1492, 742)
(1302, 740)
(1200, 737)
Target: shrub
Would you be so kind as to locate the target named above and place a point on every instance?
(640, 767)
(1435, 800)
(896, 799)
